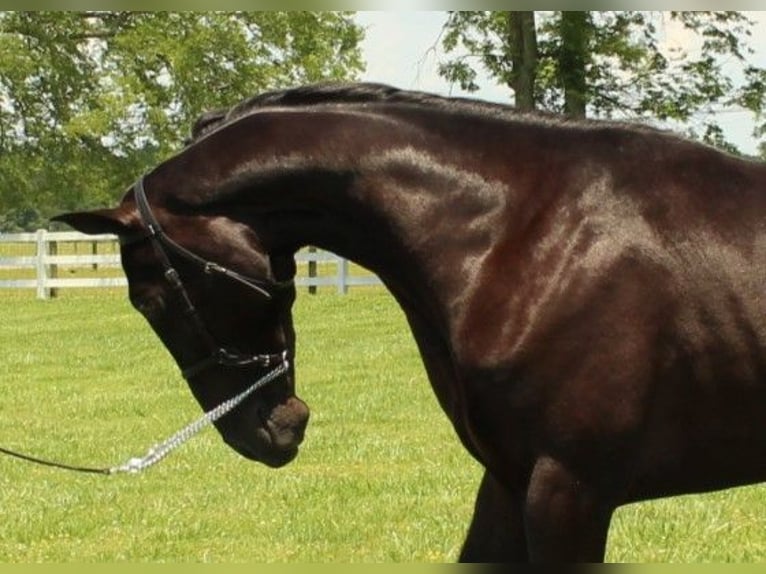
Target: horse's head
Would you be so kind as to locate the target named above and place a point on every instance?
(222, 307)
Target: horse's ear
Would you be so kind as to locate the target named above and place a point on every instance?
(97, 221)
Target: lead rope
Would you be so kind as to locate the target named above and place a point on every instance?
(160, 450)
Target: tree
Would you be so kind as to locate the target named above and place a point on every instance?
(88, 100)
(615, 64)
(523, 52)
(575, 30)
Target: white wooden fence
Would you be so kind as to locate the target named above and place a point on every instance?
(42, 262)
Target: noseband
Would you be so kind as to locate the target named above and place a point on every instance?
(219, 356)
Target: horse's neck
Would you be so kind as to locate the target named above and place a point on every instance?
(380, 190)
(421, 225)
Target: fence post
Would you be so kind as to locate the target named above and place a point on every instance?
(52, 270)
(41, 267)
(312, 270)
(342, 275)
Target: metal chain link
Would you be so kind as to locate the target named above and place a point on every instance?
(159, 451)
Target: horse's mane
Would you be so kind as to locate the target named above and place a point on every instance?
(341, 93)
(357, 93)
(367, 92)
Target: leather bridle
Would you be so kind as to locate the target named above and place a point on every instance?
(163, 245)
(277, 363)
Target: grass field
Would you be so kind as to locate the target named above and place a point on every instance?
(381, 476)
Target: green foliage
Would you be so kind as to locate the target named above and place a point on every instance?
(19, 219)
(90, 99)
(484, 35)
(629, 71)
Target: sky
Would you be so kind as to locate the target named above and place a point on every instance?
(402, 48)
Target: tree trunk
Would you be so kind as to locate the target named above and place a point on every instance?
(573, 60)
(522, 42)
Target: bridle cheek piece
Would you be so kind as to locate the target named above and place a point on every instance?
(162, 244)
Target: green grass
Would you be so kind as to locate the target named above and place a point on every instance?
(381, 476)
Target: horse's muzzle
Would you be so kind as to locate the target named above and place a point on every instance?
(272, 436)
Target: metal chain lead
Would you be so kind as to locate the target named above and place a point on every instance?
(159, 451)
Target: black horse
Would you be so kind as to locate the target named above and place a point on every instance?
(589, 298)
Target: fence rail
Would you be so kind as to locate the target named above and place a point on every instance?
(44, 255)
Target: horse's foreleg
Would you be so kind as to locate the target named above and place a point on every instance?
(496, 533)
(566, 519)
